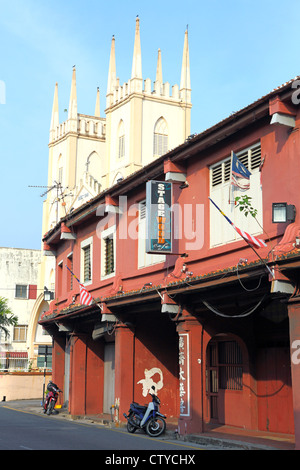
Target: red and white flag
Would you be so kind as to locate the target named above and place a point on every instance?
(250, 239)
(85, 296)
(253, 241)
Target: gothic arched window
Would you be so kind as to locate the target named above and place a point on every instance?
(121, 140)
(160, 141)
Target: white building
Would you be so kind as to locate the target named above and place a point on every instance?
(18, 284)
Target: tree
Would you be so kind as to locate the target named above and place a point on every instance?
(7, 318)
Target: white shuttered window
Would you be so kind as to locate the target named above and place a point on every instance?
(223, 194)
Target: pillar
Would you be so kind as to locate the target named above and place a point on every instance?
(124, 368)
(294, 320)
(190, 372)
(78, 363)
(58, 363)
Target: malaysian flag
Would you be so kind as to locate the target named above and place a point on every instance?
(85, 297)
(240, 175)
(250, 239)
(253, 241)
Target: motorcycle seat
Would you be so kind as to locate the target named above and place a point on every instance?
(141, 407)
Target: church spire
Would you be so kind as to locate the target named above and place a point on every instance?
(97, 107)
(112, 74)
(159, 77)
(55, 113)
(185, 82)
(136, 71)
(73, 98)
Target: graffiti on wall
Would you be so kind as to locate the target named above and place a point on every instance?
(148, 381)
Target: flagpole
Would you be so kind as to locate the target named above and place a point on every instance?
(99, 305)
(73, 275)
(230, 181)
(229, 221)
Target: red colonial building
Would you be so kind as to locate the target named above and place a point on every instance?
(213, 324)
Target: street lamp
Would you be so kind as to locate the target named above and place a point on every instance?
(283, 212)
(48, 295)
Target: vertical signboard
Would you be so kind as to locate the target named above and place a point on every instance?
(159, 217)
(184, 375)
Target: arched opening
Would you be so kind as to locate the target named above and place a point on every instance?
(160, 138)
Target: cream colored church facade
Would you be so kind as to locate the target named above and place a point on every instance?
(87, 154)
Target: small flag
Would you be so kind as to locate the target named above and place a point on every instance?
(85, 297)
(240, 175)
(253, 241)
(250, 239)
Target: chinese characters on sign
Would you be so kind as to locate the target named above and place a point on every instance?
(184, 380)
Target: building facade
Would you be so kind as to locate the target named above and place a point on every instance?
(18, 276)
(144, 118)
(214, 323)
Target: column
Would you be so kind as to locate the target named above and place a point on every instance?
(78, 363)
(58, 363)
(124, 368)
(190, 372)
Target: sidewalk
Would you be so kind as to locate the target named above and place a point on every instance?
(224, 437)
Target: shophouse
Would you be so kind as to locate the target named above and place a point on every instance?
(210, 321)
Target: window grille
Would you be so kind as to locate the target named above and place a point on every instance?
(121, 146)
(230, 365)
(160, 144)
(109, 255)
(87, 271)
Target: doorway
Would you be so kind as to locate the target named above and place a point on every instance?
(224, 377)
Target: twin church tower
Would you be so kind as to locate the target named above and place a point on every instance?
(88, 154)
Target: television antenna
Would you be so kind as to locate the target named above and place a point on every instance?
(59, 194)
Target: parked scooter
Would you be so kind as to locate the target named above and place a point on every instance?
(51, 398)
(147, 418)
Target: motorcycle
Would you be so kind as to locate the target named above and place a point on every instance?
(146, 417)
(51, 398)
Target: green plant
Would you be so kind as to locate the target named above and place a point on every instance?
(7, 318)
(245, 205)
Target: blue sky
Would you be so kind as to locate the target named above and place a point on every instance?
(239, 51)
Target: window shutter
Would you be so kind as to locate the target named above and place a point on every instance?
(109, 256)
(32, 291)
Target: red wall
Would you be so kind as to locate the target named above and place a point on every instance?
(155, 342)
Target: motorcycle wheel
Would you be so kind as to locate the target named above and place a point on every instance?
(130, 427)
(155, 427)
(50, 407)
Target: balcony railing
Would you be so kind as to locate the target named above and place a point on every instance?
(13, 361)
